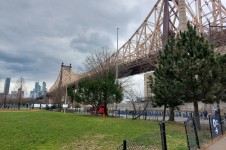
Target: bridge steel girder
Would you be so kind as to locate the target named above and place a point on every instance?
(139, 53)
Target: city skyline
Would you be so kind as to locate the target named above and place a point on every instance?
(13, 89)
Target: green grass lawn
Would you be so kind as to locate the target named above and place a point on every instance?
(45, 130)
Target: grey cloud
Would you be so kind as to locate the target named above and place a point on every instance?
(87, 43)
(36, 36)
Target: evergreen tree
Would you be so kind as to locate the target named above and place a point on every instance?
(165, 87)
(218, 91)
(197, 68)
(188, 71)
(71, 94)
(112, 92)
(100, 91)
(89, 92)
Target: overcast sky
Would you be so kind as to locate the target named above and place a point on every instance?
(36, 36)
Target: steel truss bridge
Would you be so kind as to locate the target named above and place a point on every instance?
(139, 53)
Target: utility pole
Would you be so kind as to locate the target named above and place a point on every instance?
(116, 63)
(116, 68)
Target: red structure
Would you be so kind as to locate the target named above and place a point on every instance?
(101, 110)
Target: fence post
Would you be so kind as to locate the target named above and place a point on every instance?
(186, 134)
(210, 128)
(126, 113)
(124, 144)
(196, 134)
(220, 120)
(163, 135)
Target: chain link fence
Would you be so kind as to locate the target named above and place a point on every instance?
(203, 133)
(190, 134)
(223, 120)
(174, 129)
(150, 141)
(199, 133)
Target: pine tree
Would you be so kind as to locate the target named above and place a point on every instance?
(197, 68)
(165, 87)
(218, 91)
(99, 92)
(188, 71)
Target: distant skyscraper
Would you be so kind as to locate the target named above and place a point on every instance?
(20, 92)
(7, 85)
(36, 85)
(37, 91)
(43, 87)
(32, 94)
(14, 94)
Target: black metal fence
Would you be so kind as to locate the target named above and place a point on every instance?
(172, 130)
(191, 134)
(148, 115)
(203, 132)
(77, 111)
(200, 132)
(150, 141)
(223, 120)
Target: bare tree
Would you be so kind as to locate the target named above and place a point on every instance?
(99, 63)
(20, 86)
(134, 95)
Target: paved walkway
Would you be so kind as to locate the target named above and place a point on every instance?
(218, 145)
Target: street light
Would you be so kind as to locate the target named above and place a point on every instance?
(116, 68)
(116, 63)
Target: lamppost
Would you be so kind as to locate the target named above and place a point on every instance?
(116, 63)
(116, 68)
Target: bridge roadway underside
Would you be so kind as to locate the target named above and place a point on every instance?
(137, 66)
(148, 63)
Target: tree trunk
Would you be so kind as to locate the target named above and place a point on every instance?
(96, 110)
(105, 109)
(218, 108)
(171, 115)
(134, 110)
(164, 113)
(141, 113)
(196, 114)
(72, 103)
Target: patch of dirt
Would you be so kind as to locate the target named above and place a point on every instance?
(85, 143)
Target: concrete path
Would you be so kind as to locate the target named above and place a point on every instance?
(218, 145)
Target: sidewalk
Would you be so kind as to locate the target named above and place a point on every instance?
(218, 145)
